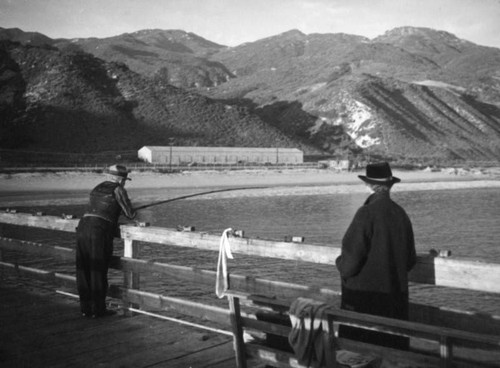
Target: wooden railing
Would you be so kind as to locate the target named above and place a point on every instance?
(448, 272)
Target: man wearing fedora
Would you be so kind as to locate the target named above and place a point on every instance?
(378, 251)
(94, 246)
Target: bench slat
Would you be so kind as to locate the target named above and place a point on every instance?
(384, 324)
(271, 328)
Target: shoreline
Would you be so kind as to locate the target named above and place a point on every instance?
(73, 180)
(73, 187)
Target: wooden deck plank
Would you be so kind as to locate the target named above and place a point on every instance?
(205, 358)
(173, 342)
(116, 336)
(159, 351)
(41, 328)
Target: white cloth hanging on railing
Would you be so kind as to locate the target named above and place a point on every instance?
(222, 280)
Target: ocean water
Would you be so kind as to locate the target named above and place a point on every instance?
(464, 221)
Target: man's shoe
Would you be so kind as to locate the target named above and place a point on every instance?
(86, 314)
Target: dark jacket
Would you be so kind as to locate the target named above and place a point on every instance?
(378, 248)
(103, 202)
(108, 200)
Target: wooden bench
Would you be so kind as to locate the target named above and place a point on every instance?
(268, 351)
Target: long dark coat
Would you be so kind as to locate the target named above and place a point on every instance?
(378, 251)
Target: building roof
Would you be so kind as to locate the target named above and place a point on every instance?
(226, 149)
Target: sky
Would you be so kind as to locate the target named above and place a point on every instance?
(233, 22)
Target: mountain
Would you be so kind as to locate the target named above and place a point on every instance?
(175, 57)
(27, 38)
(53, 100)
(414, 94)
(411, 93)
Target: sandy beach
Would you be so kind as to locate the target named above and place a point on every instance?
(72, 187)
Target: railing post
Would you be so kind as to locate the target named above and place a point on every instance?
(445, 352)
(1, 257)
(239, 344)
(131, 280)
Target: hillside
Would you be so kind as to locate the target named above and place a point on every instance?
(26, 38)
(53, 100)
(173, 56)
(413, 94)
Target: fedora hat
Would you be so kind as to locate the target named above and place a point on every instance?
(118, 170)
(379, 173)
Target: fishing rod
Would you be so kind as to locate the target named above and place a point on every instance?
(193, 195)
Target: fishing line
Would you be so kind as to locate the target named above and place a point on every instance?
(194, 195)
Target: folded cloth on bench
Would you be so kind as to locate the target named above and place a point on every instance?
(311, 339)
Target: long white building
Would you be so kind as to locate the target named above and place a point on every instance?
(176, 155)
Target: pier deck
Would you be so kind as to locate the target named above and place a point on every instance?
(41, 328)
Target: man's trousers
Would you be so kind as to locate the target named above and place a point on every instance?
(94, 248)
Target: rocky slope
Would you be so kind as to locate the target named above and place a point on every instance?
(410, 93)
